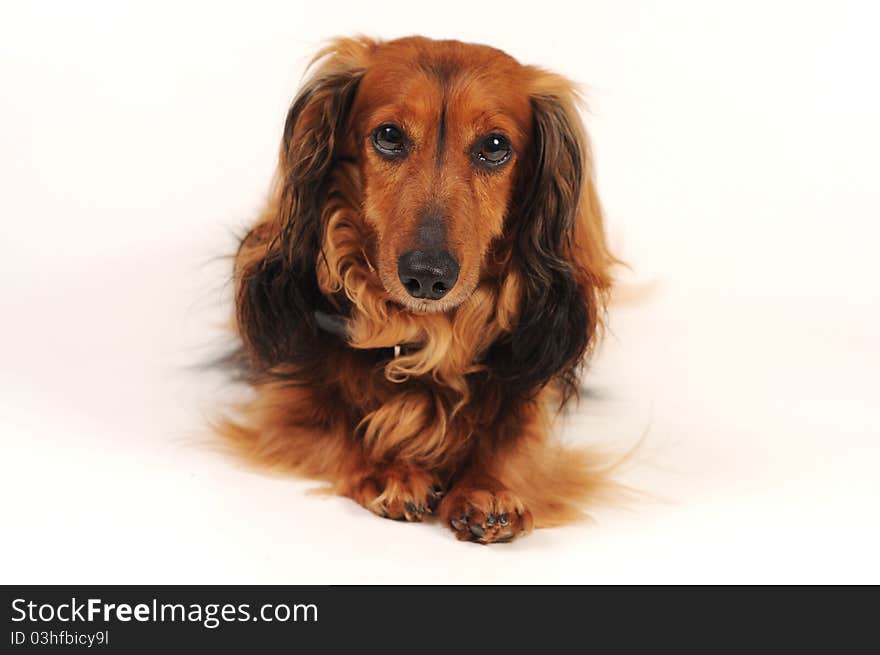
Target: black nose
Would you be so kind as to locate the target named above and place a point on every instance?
(427, 275)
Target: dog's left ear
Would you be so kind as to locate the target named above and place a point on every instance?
(558, 244)
(277, 292)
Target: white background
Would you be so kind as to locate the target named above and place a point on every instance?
(736, 146)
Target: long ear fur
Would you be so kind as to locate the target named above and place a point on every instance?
(276, 288)
(557, 242)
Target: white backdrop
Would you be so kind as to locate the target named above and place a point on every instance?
(736, 146)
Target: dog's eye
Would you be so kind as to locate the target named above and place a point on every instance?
(389, 140)
(493, 150)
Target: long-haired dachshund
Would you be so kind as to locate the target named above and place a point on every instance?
(429, 275)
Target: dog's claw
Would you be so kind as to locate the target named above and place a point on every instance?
(486, 516)
(398, 492)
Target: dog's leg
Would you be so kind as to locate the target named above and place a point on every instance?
(398, 444)
(293, 428)
(518, 478)
(481, 504)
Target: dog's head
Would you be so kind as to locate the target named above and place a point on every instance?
(439, 129)
(458, 168)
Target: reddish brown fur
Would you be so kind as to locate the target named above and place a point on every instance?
(445, 419)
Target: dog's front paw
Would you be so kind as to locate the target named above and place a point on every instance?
(486, 516)
(400, 492)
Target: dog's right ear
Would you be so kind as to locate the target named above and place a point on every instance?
(276, 290)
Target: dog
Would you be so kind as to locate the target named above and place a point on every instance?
(416, 301)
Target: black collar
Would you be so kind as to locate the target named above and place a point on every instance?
(332, 323)
(338, 325)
